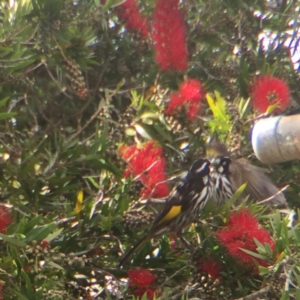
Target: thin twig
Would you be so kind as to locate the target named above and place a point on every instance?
(181, 293)
(145, 171)
(262, 116)
(181, 175)
(28, 70)
(10, 206)
(153, 201)
(173, 275)
(92, 118)
(66, 220)
(272, 197)
(62, 90)
(100, 76)
(265, 290)
(256, 294)
(32, 68)
(33, 115)
(150, 200)
(59, 48)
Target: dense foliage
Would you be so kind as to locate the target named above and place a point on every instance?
(102, 100)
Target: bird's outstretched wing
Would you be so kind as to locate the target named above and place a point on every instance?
(259, 185)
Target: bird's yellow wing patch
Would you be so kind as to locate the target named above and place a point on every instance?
(173, 213)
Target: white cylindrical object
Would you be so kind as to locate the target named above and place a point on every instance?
(277, 139)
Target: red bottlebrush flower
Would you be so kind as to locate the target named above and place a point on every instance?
(26, 269)
(5, 219)
(148, 164)
(140, 281)
(190, 94)
(268, 90)
(193, 110)
(129, 12)
(210, 266)
(168, 36)
(172, 242)
(241, 230)
(82, 93)
(176, 101)
(45, 244)
(192, 90)
(151, 293)
(140, 277)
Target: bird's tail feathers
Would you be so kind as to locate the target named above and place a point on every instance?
(132, 251)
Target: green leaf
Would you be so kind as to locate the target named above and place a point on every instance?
(253, 253)
(29, 287)
(243, 106)
(53, 235)
(258, 243)
(218, 107)
(263, 270)
(227, 206)
(106, 222)
(149, 115)
(20, 296)
(130, 131)
(3, 101)
(4, 116)
(32, 223)
(13, 241)
(164, 134)
(141, 130)
(94, 182)
(297, 294)
(219, 125)
(39, 233)
(102, 140)
(54, 265)
(236, 196)
(268, 249)
(97, 3)
(122, 82)
(272, 108)
(280, 257)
